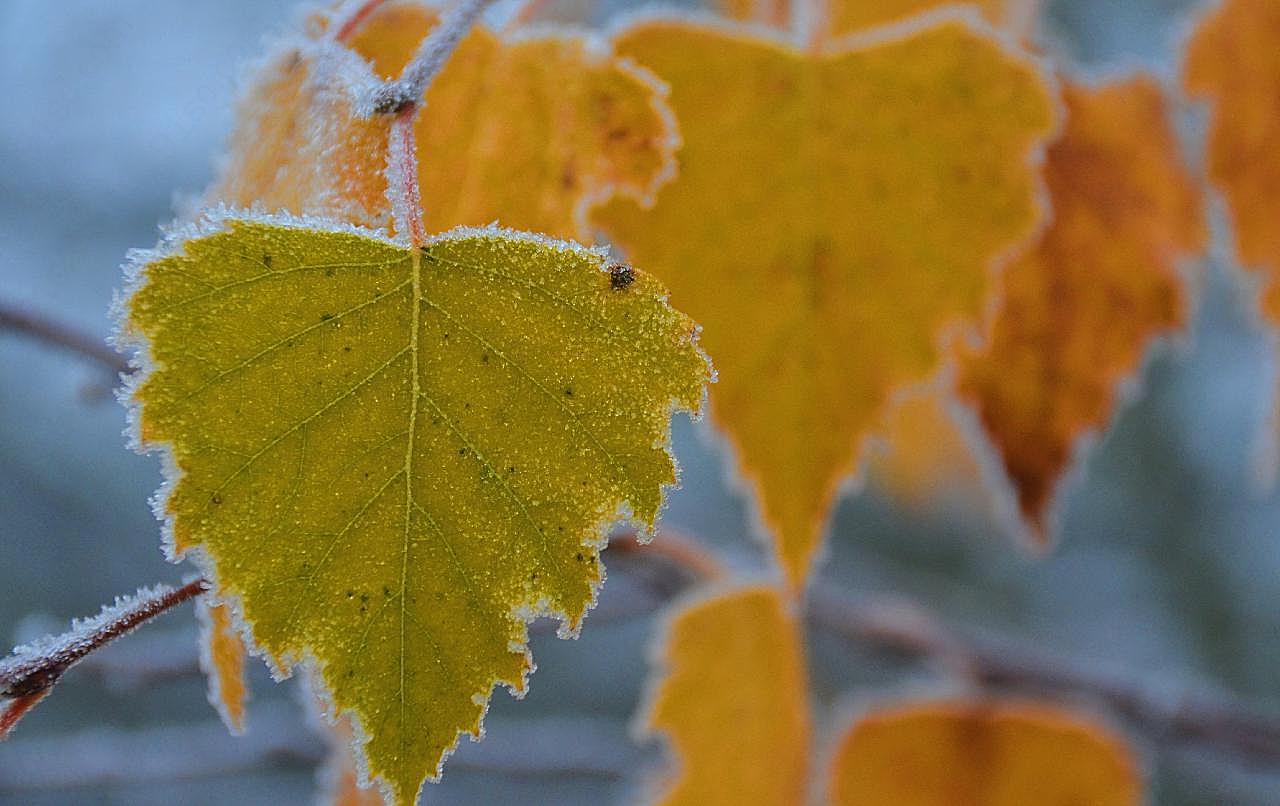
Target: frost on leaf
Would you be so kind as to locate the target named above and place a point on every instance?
(1081, 309)
(222, 659)
(731, 699)
(527, 132)
(988, 753)
(391, 457)
(836, 213)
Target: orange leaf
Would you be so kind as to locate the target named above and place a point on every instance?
(339, 777)
(529, 132)
(1233, 60)
(732, 701)
(836, 213)
(847, 16)
(1081, 310)
(925, 457)
(981, 754)
(222, 658)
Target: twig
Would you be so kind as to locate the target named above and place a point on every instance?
(14, 709)
(674, 548)
(1192, 716)
(59, 334)
(34, 669)
(408, 90)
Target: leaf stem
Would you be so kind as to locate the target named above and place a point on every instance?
(28, 674)
(59, 334)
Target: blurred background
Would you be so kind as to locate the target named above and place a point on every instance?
(1167, 574)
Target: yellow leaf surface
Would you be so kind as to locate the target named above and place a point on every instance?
(1233, 60)
(1082, 308)
(392, 457)
(981, 754)
(528, 132)
(731, 699)
(836, 214)
(222, 659)
(847, 16)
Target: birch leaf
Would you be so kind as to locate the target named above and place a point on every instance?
(1083, 307)
(836, 213)
(981, 754)
(392, 458)
(1233, 61)
(847, 16)
(222, 659)
(528, 132)
(732, 700)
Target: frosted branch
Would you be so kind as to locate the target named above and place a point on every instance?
(406, 91)
(34, 668)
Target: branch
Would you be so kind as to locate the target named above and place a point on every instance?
(33, 669)
(62, 335)
(1187, 714)
(407, 91)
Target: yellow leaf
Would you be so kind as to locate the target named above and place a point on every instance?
(981, 754)
(836, 214)
(1083, 307)
(392, 457)
(528, 132)
(732, 701)
(1233, 60)
(847, 16)
(222, 658)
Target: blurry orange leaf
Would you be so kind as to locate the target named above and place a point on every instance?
(1233, 60)
(847, 16)
(925, 458)
(733, 703)
(529, 132)
(222, 658)
(339, 776)
(1082, 308)
(981, 754)
(836, 214)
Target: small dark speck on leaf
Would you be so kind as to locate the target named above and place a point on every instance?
(621, 276)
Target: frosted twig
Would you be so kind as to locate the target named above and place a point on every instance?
(33, 668)
(407, 90)
(59, 334)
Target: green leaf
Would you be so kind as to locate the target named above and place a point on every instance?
(393, 457)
